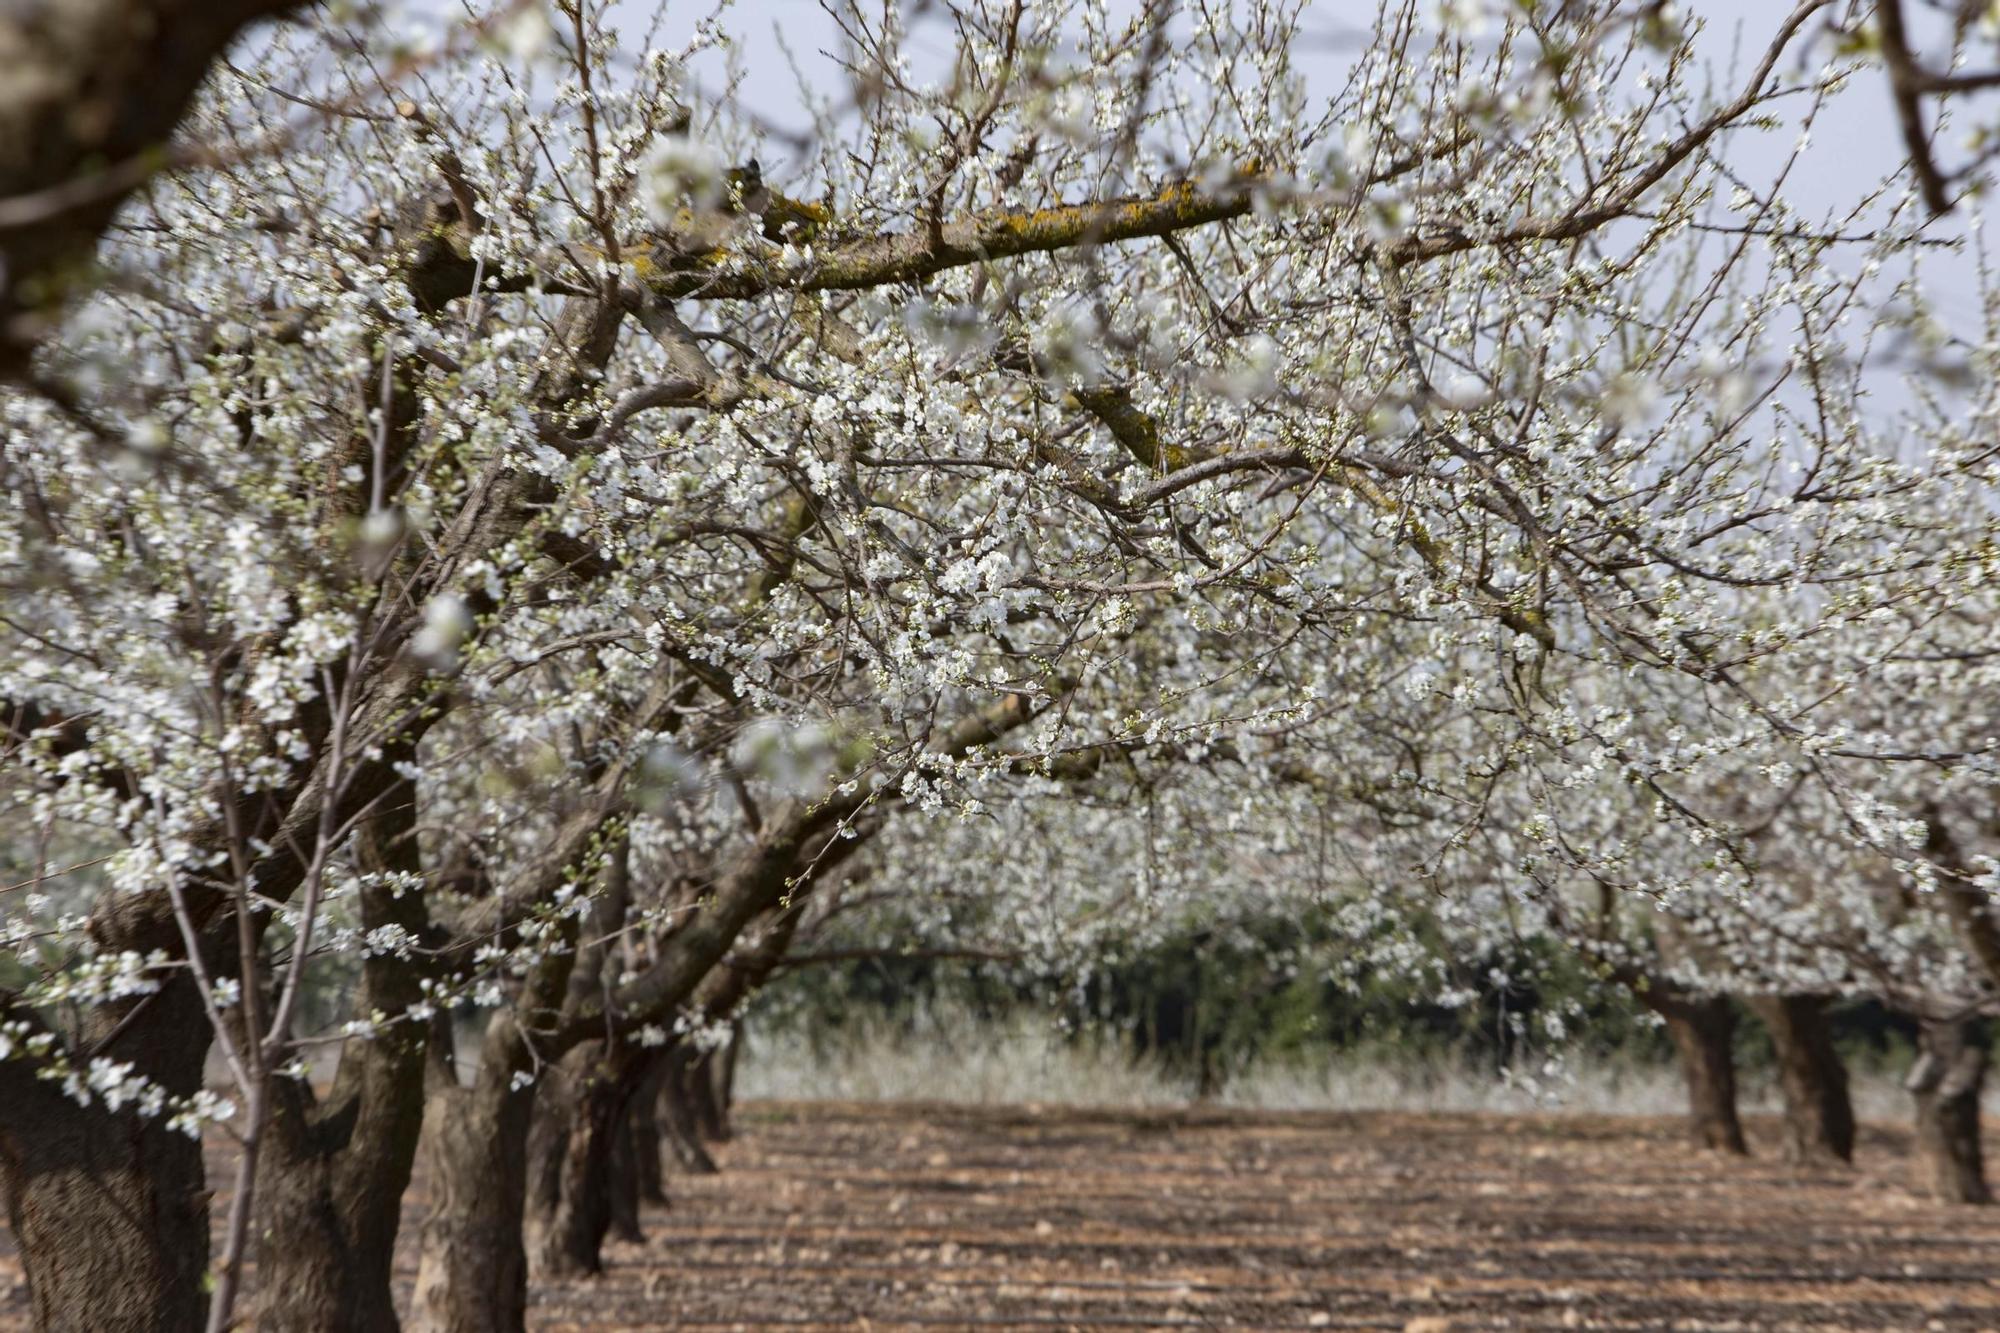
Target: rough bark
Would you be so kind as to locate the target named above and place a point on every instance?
(103, 1177)
(327, 1224)
(472, 1270)
(677, 1097)
(111, 1214)
(1819, 1117)
(1703, 1032)
(1945, 1083)
(472, 1275)
(110, 1211)
(576, 1130)
(643, 1111)
(625, 1182)
(331, 1179)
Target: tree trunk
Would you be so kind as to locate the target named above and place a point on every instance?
(705, 1096)
(472, 1273)
(472, 1269)
(720, 1065)
(677, 1095)
(576, 1131)
(331, 1178)
(643, 1111)
(1819, 1117)
(1703, 1032)
(726, 1081)
(556, 1099)
(624, 1182)
(1945, 1083)
(325, 1233)
(110, 1211)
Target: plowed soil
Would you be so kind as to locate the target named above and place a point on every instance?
(899, 1216)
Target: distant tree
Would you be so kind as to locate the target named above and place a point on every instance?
(486, 547)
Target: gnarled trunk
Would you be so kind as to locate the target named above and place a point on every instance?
(1703, 1033)
(624, 1182)
(718, 1068)
(326, 1231)
(472, 1270)
(678, 1094)
(472, 1273)
(1819, 1117)
(649, 1183)
(578, 1119)
(1945, 1083)
(111, 1211)
(331, 1177)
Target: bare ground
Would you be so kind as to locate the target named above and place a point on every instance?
(897, 1216)
(844, 1215)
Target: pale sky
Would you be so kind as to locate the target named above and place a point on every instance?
(1854, 143)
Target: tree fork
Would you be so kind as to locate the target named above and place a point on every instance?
(472, 1274)
(332, 1178)
(578, 1123)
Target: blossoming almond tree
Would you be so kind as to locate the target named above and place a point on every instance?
(483, 548)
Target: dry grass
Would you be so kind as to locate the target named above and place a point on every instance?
(953, 1058)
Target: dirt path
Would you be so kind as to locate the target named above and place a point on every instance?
(873, 1216)
(880, 1217)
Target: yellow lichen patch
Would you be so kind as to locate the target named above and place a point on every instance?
(1137, 431)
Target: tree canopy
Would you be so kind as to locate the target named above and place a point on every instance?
(478, 542)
